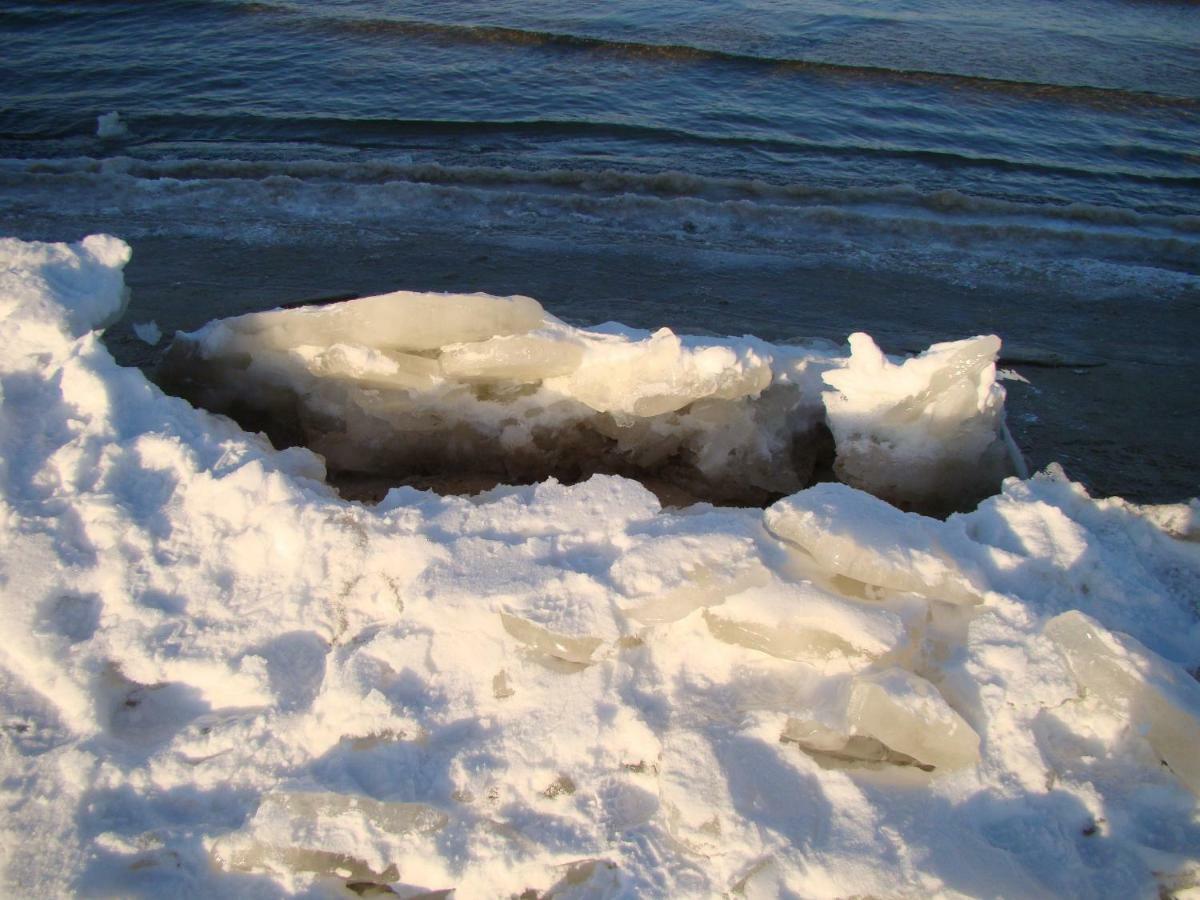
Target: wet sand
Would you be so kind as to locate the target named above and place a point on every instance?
(1111, 397)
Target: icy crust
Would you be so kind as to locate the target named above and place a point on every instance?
(424, 384)
(922, 432)
(219, 679)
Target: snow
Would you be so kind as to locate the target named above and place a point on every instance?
(217, 678)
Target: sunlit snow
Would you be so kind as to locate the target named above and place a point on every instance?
(219, 678)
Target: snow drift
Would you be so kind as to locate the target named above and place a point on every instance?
(220, 679)
(494, 387)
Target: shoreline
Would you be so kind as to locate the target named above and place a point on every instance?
(1106, 395)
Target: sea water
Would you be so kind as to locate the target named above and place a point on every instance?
(921, 171)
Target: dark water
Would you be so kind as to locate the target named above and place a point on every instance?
(920, 170)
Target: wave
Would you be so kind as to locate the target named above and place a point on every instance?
(386, 133)
(664, 185)
(1106, 97)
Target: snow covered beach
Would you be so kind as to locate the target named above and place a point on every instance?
(220, 679)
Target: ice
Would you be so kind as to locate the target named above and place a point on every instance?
(402, 320)
(833, 749)
(908, 715)
(347, 836)
(926, 432)
(887, 717)
(569, 649)
(147, 332)
(704, 586)
(109, 126)
(804, 623)
(520, 358)
(1160, 700)
(857, 536)
(408, 384)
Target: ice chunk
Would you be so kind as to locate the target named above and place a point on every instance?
(403, 320)
(586, 879)
(704, 586)
(928, 432)
(523, 357)
(411, 385)
(569, 649)
(367, 367)
(833, 749)
(326, 833)
(908, 714)
(1159, 698)
(804, 623)
(147, 332)
(661, 375)
(110, 127)
(855, 535)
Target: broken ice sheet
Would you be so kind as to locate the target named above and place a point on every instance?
(804, 623)
(928, 431)
(669, 577)
(324, 833)
(890, 717)
(910, 716)
(850, 533)
(577, 650)
(1160, 699)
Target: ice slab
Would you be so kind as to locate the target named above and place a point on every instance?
(347, 836)
(927, 432)
(857, 536)
(888, 717)
(908, 714)
(1160, 700)
(804, 623)
(410, 384)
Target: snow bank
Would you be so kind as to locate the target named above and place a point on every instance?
(421, 384)
(219, 679)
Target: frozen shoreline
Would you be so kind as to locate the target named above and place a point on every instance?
(223, 680)
(1109, 396)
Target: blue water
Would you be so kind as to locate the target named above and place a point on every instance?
(1043, 113)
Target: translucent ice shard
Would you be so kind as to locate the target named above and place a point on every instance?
(1160, 699)
(662, 374)
(402, 320)
(927, 432)
(705, 586)
(524, 357)
(858, 536)
(804, 623)
(347, 836)
(571, 649)
(908, 715)
(833, 749)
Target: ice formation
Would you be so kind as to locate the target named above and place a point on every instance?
(218, 678)
(421, 384)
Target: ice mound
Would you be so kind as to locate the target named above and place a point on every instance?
(218, 678)
(923, 433)
(408, 384)
(1159, 700)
